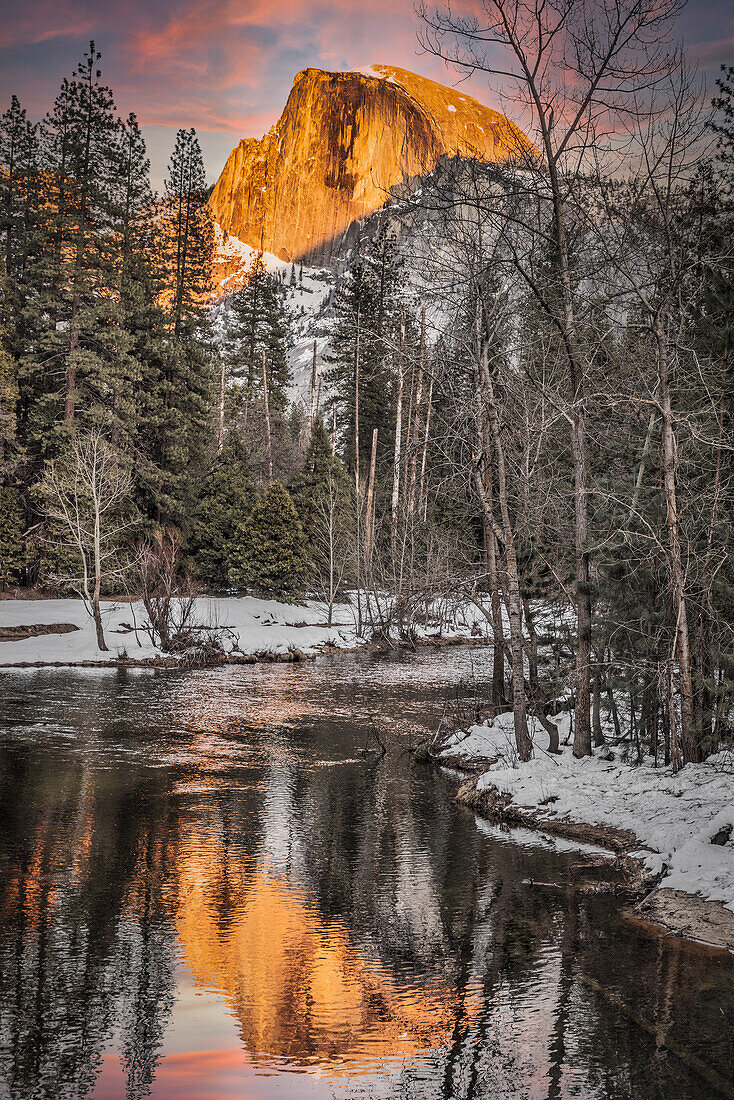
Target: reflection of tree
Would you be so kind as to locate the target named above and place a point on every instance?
(646, 1008)
(388, 853)
(70, 943)
(148, 978)
(345, 913)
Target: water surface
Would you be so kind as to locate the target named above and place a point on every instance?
(208, 892)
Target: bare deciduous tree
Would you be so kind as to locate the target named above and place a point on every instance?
(333, 541)
(87, 493)
(570, 69)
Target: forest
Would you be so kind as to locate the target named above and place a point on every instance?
(525, 403)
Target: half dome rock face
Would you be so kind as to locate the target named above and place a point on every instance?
(342, 143)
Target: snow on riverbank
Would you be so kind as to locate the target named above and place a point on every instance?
(674, 816)
(247, 626)
(252, 626)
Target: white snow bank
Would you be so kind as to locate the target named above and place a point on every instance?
(673, 815)
(495, 740)
(250, 626)
(253, 626)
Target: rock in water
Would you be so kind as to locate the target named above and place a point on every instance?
(343, 142)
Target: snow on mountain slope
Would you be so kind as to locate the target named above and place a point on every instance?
(306, 302)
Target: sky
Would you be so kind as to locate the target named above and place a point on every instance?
(226, 66)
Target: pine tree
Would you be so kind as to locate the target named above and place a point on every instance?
(187, 238)
(13, 552)
(324, 498)
(176, 422)
(12, 513)
(18, 186)
(172, 338)
(320, 469)
(224, 505)
(269, 553)
(258, 325)
(370, 309)
(724, 126)
(77, 368)
(80, 140)
(136, 196)
(9, 392)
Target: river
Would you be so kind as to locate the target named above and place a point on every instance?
(207, 891)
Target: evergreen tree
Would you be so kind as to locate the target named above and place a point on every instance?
(176, 422)
(724, 125)
(269, 552)
(258, 325)
(13, 551)
(77, 368)
(136, 196)
(9, 392)
(370, 308)
(80, 142)
(168, 320)
(224, 505)
(12, 513)
(187, 240)
(321, 467)
(18, 187)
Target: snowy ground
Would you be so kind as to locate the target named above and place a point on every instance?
(674, 816)
(249, 626)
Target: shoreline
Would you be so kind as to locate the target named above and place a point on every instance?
(245, 629)
(672, 911)
(290, 656)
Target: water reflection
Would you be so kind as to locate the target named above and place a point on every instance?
(205, 891)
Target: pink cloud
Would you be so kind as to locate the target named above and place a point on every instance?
(227, 65)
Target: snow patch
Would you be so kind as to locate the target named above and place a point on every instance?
(674, 817)
(248, 626)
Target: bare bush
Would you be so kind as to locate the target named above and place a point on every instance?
(169, 593)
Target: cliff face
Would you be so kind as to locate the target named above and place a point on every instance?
(343, 141)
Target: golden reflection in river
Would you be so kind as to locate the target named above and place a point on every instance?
(300, 989)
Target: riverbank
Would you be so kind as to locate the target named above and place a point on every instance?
(60, 633)
(673, 835)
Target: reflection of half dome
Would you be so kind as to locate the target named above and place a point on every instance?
(296, 983)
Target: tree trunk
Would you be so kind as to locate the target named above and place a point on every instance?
(567, 324)
(416, 417)
(220, 430)
(532, 650)
(70, 397)
(423, 501)
(550, 728)
(512, 595)
(313, 384)
(370, 498)
(689, 739)
(398, 444)
(596, 706)
(582, 732)
(97, 616)
(267, 420)
(356, 475)
(499, 698)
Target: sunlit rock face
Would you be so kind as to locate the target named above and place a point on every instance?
(342, 144)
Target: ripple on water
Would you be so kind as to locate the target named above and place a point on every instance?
(207, 890)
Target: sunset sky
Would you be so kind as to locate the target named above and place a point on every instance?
(226, 66)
